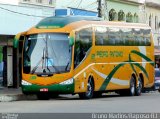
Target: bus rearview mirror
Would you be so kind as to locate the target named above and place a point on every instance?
(71, 41)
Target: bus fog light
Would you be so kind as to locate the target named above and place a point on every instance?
(25, 83)
(69, 81)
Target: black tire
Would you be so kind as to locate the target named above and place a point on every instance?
(159, 90)
(132, 89)
(54, 95)
(90, 89)
(43, 96)
(123, 93)
(139, 87)
(97, 94)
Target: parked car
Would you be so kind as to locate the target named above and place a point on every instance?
(157, 80)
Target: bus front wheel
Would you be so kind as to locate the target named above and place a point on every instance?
(43, 96)
(90, 89)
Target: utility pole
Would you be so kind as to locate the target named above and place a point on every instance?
(104, 10)
(99, 8)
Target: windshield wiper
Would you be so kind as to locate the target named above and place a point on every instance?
(67, 66)
(42, 60)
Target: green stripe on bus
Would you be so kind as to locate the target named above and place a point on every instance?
(58, 88)
(107, 80)
(132, 63)
(142, 68)
(143, 56)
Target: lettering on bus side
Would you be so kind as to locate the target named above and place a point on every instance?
(116, 54)
(105, 54)
(102, 54)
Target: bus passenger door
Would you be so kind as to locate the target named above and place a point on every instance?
(82, 48)
(83, 43)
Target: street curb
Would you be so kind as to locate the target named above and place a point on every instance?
(17, 97)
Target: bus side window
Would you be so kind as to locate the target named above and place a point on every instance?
(128, 37)
(101, 36)
(115, 36)
(83, 43)
(138, 36)
(147, 36)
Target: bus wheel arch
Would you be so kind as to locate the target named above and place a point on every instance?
(90, 89)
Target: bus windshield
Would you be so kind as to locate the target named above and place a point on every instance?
(47, 53)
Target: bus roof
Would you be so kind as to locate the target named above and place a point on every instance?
(61, 21)
(69, 23)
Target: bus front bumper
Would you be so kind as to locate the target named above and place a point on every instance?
(61, 88)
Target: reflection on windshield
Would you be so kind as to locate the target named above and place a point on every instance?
(47, 53)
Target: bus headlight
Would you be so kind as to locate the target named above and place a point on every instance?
(69, 81)
(25, 83)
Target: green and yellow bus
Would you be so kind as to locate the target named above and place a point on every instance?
(86, 56)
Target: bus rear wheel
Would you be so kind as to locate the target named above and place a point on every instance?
(90, 89)
(139, 87)
(132, 89)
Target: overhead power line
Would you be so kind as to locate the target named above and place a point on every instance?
(87, 8)
(79, 4)
(89, 5)
(70, 3)
(21, 13)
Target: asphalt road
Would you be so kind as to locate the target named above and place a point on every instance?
(147, 102)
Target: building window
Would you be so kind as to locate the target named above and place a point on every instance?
(39, 1)
(121, 15)
(135, 18)
(129, 17)
(113, 15)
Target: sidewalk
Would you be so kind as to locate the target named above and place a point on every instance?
(12, 94)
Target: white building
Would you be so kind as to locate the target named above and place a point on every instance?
(21, 15)
(153, 19)
(17, 16)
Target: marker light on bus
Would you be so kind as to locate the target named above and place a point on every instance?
(44, 90)
(25, 83)
(69, 81)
